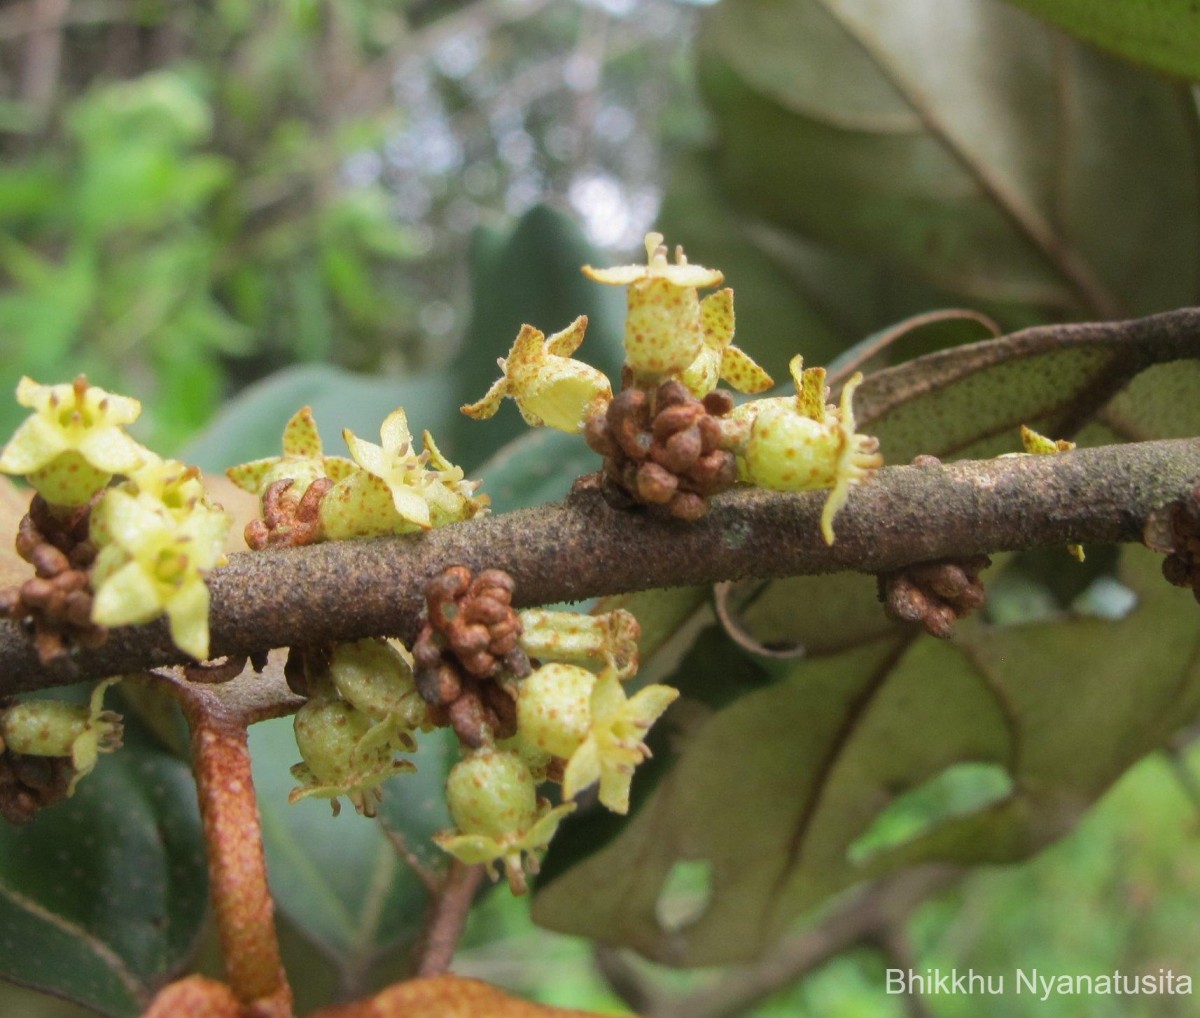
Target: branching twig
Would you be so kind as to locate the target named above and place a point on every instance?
(583, 548)
(448, 916)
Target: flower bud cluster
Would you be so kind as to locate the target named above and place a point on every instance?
(466, 650)
(935, 594)
(1182, 564)
(667, 449)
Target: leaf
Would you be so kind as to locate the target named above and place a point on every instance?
(1163, 34)
(775, 790)
(103, 896)
(339, 879)
(960, 143)
(971, 400)
(251, 424)
(538, 467)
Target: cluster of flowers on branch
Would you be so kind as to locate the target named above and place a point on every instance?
(670, 439)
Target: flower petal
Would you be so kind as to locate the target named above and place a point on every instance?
(582, 770)
(126, 597)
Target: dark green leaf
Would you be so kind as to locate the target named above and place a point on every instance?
(340, 879)
(925, 136)
(103, 896)
(774, 791)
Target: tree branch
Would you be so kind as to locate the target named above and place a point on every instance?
(583, 548)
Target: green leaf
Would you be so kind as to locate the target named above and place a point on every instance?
(775, 790)
(102, 897)
(538, 467)
(1163, 34)
(971, 400)
(251, 424)
(339, 879)
(919, 135)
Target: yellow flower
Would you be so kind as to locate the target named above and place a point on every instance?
(664, 328)
(615, 744)
(393, 492)
(719, 359)
(1040, 445)
(547, 384)
(73, 443)
(802, 444)
(303, 460)
(154, 563)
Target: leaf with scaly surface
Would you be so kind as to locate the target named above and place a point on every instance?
(775, 792)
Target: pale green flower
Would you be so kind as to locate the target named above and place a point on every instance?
(547, 384)
(800, 443)
(154, 563)
(610, 638)
(58, 728)
(73, 443)
(393, 491)
(615, 743)
(664, 327)
(303, 460)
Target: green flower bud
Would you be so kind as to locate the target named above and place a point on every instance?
(373, 677)
(553, 708)
(344, 754)
(303, 460)
(60, 729)
(492, 800)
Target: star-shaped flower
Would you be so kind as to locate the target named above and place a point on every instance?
(802, 444)
(664, 329)
(303, 460)
(719, 359)
(155, 563)
(393, 491)
(547, 384)
(73, 443)
(615, 744)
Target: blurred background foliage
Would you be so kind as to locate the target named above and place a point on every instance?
(231, 208)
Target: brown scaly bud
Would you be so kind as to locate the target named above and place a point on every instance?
(470, 642)
(55, 603)
(289, 520)
(935, 594)
(1177, 532)
(666, 449)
